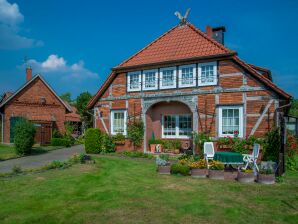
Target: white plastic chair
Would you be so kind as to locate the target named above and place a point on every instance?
(208, 150)
(252, 159)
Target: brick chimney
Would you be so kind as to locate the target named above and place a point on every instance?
(28, 74)
(217, 33)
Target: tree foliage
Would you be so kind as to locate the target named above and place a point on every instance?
(81, 103)
(294, 108)
(66, 97)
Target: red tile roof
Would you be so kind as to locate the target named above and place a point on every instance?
(180, 42)
(73, 116)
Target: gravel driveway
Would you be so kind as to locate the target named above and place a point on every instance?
(34, 161)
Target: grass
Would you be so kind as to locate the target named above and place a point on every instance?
(120, 190)
(8, 151)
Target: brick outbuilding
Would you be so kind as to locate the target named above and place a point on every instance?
(37, 102)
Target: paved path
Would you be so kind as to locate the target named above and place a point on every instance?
(34, 161)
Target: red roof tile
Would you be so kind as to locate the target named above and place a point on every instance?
(181, 42)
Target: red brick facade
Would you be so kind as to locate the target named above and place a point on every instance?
(237, 84)
(36, 102)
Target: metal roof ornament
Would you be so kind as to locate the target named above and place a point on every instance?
(183, 19)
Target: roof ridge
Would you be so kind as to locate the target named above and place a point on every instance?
(148, 45)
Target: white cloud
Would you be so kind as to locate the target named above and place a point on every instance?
(57, 66)
(10, 37)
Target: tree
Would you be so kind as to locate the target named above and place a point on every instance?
(294, 108)
(66, 97)
(81, 103)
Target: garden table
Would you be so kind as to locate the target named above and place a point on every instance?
(229, 158)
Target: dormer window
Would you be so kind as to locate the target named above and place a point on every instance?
(168, 78)
(187, 75)
(150, 79)
(133, 81)
(207, 74)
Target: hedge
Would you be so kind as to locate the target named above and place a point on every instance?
(24, 132)
(93, 140)
(61, 142)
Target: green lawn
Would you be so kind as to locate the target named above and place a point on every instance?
(8, 152)
(119, 190)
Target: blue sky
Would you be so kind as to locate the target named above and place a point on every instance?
(74, 44)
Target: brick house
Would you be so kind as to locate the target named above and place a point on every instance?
(187, 80)
(37, 102)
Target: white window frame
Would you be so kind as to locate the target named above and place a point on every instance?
(194, 72)
(214, 64)
(161, 78)
(128, 81)
(220, 134)
(156, 79)
(176, 136)
(112, 121)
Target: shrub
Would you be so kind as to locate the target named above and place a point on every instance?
(200, 139)
(16, 169)
(291, 152)
(272, 145)
(56, 134)
(93, 140)
(80, 140)
(60, 142)
(135, 133)
(165, 157)
(178, 168)
(118, 138)
(24, 132)
(107, 143)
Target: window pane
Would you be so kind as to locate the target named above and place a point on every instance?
(169, 125)
(134, 81)
(167, 77)
(187, 76)
(207, 73)
(118, 122)
(230, 121)
(184, 125)
(150, 79)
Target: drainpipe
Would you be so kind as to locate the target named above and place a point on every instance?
(281, 163)
(2, 127)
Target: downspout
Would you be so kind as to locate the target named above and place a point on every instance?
(2, 127)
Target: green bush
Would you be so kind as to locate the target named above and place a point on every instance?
(135, 133)
(80, 140)
(93, 140)
(118, 138)
(155, 141)
(107, 144)
(24, 132)
(178, 168)
(272, 145)
(60, 142)
(56, 134)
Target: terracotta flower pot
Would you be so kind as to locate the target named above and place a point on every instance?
(164, 169)
(266, 178)
(216, 174)
(245, 177)
(199, 173)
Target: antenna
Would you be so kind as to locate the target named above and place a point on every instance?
(183, 19)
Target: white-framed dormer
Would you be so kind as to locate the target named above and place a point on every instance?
(118, 122)
(167, 78)
(207, 74)
(134, 80)
(230, 120)
(150, 79)
(187, 75)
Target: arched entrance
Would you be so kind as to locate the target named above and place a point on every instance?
(170, 118)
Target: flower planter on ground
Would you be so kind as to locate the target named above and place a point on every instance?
(199, 173)
(245, 177)
(216, 174)
(152, 148)
(266, 178)
(164, 169)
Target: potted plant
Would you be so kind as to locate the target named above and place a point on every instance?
(266, 176)
(119, 139)
(153, 143)
(246, 176)
(199, 168)
(163, 165)
(216, 170)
